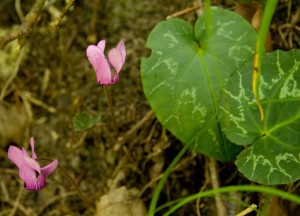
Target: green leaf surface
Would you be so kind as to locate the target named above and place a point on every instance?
(272, 154)
(83, 121)
(183, 77)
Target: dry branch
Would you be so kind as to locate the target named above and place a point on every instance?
(26, 27)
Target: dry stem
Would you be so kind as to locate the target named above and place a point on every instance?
(221, 209)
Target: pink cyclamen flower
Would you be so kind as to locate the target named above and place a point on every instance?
(30, 171)
(116, 59)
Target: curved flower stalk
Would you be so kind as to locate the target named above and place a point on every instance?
(33, 175)
(102, 66)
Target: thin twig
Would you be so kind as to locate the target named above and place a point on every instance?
(4, 189)
(26, 27)
(17, 202)
(81, 194)
(52, 200)
(248, 210)
(56, 22)
(83, 197)
(151, 183)
(184, 11)
(19, 10)
(221, 209)
(147, 117)
(111, 109)
(37, 102)
(19, 207)
(203, 187)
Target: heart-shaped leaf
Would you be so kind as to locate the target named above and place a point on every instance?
(183, 77)
(272, 155)
(83, 121)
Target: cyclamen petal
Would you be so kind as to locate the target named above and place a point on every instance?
(116, 59)
(121, 48)
(30, 162)
(29, 177)
(47, 170)
(15, 155)
(101, 46)
(32, 148)
(30, 171)
(100, 64)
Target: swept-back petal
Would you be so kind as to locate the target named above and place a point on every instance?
(15, 155)
(121, 48)
(100, 65)
(115, 58)
(93, 52)
(101, 45)
(28, 175)
(116, 78)
(33, 155)
(40, 183)
(47, 170)
(35, 183)
(31, 163)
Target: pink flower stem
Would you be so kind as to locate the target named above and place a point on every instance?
(110, 106)
(81, 194)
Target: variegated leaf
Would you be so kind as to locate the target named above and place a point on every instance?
(272, 154)
(183, 77)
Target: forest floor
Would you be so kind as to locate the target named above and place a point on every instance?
(55, 81)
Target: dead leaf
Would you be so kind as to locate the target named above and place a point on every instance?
(246, 10)
(252, 12)
(275, 208)
(121, 202)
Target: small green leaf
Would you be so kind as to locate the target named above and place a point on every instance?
(272, 154)
(183, 77)
(83, 121)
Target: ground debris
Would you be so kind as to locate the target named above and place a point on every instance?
(121, 201)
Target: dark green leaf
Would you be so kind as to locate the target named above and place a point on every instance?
(83, 121)
(272, 155)
(185, 73)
